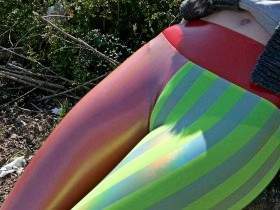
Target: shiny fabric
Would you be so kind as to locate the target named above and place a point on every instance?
(212, 145)
(228, 54)
(113, 117)
(97, 134)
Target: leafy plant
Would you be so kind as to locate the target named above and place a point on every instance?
(114, 27)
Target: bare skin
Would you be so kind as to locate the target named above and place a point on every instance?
(241, 22)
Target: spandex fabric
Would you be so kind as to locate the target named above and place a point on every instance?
(211, 145)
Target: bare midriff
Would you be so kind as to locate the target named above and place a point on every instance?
(241, 22)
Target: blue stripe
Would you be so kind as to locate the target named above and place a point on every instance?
(245, 189)
(232, 119)
(177, 94)
(221, 173)
(189, 152)
(203, 104)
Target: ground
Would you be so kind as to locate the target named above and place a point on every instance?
(22, 132)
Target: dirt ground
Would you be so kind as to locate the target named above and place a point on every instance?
(22, 132)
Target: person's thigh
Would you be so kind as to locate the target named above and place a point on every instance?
(211, 145)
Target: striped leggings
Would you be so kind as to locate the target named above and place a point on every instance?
(212, 145)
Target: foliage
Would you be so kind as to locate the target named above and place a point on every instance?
(65, 107)
(133, 21)
(114, 27)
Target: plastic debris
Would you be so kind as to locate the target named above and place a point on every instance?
(56, 111)
(56, 9)
(17, 165)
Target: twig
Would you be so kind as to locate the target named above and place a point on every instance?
(28, 110)
(17, 99)
(175, 17)
(36, 107)
(4, 32)
(61, 16)
(10, 39)
(28, 72)
(22, 56)
(26, 83)
(40, 75)
(36, 81)
(8, 29)
(76, 88)
(62, 38)
(13, 48)
(24, 35)
(15, 88)
(34, 85)
(98, 53)
(37, 62)
(62, 48)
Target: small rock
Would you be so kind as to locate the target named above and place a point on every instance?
(14, 136)
(40, 128)
(23, 123)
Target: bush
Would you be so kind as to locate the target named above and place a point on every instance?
(114, 27)
(133, 21)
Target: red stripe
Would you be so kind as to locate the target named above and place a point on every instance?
(226, 53)
(80, 152)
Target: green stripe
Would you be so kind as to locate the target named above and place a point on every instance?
(213, 115)
(208, 100)
(153, 138)
(195, 190)
(190, 97)
(223, 105)
(246, 189)
(168, 90)
(258, 189)
(238, 179)
(152, 135)
(210, 118)
(173, 182)
(145, 160)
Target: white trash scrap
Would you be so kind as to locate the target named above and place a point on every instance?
(17, 165)
(56, 111)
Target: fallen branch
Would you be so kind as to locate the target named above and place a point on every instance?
(28, 110)
(37, 62)
(33, 85)
(36, 107)
(13, 48)
(98, 53)
(22, 56)
(60, 16)
(30, 73)
(32, 80)
(25, 82)
(73, 89)
(17, 99)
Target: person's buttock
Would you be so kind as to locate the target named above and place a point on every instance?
(211, 143)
